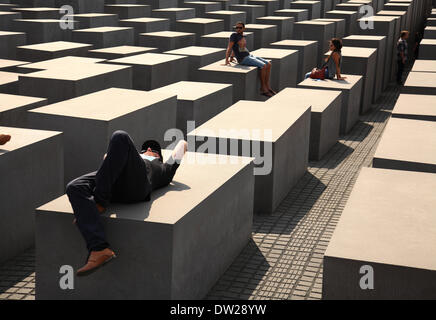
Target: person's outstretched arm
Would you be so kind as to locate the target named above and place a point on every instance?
(169, 168)
(335, 57)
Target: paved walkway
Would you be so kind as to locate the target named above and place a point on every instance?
(284, 258)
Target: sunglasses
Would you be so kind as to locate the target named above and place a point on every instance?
(238, 27)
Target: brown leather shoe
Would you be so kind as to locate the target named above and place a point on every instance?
(96, 260)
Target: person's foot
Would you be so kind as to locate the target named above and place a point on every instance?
(96, 260)
(4, 138)
(266, 93)
(272, 91)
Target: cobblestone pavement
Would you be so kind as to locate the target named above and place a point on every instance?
(284, 258)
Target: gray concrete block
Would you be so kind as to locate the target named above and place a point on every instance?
(415, 106)
(43, 30)
(424, 66)
(128, 11)
(201, 7)
(6, 20)
(154, 70)
(198, 101)
(57, 63)
(351, 89)
(377, 42)
(39, 13)
(307, 54)
(288, 129)
(400, 14)
(270, 5)
(431, 22)
(230, 17)
(64, 83)
(8, 43)
(284, 68)
(13, 109)
(285, 25)
(430, 33)
(297, 14)
(174, 14)
(326, 5)
(339, 26)
(221, 40)
(420, 83)
(166, 40)
(389, 229)
(354, 7)
(34, 3)
(89, 121)
(82, 6)
(159, 4)
(11, 65)
(350, 19)
(119, 52)
(225, 4)
(407, 144)
(199, 57)
(427, 49)
(314, 8)
(95, 20)
(146, 25)
(243, 78)
(200, 26)
(264, 34)
(315, 30)
(325, 115)
(31, 167)
(198, 235)
(9, 82)
(105, 37)
(361, 61)
(52, 50)
(253, 11)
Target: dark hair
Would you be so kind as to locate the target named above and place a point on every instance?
(240, 22)
(403, 33)
(337, 43)
(153, 145)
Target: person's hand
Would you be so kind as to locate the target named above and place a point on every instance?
(180, 150)
(226, 63)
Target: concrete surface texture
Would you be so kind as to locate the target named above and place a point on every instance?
(297, 14)
(424, 66)
(52, 50)
(119, 52)
(13, 109)
(427, 49)
(166, 40)
(285, 25)
(415, 106)
(421, 83)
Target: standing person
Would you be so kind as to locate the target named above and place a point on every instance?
(4, 138)
(238, 45)
(333, 63)
(402, 55)
(124, 176)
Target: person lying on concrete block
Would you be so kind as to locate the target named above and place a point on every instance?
(4, 138)
(124, 176)
(332, 64)
(238, 45)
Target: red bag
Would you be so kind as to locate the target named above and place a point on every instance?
(318, 73)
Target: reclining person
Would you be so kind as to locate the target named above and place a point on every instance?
(124, 176)
(238, 45)
(4, 138)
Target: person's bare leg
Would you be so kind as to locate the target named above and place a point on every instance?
(268, 78)
(262, 74)
(4, 138)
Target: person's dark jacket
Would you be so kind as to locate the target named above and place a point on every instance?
(160, 174)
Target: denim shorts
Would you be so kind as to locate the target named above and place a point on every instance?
(254, 61)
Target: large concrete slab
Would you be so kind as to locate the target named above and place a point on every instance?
(430, 33)
(269, 131)
(230, 17)
(424, 66)
(200, 26)
(201, 7)
(95, 20)
(415, 106)
(253, 11)
(339, 26)
(39, 13)
(31, 167)
(6, 20)
(350, 19)
(427, 49)
(71, 61)
(119, 52)
(166, 40)
(128, 11)
(264, 34)
(221, 39)
(174, 14)
(154, 70)
(8, 43)
(145, 25)
(196, 220)
(13, 109)
(297, 14)
(198, 101)
(351, 89)
(314, 8)
(43, 30)
(270, 5)
(325, 115)
(420, 83)
(52, 50)
(391, 231)
(89, 121)
(83, 6)
(285, 25)
(407, 144)
(105, 37)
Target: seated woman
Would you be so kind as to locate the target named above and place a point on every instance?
(4, 138)
(237, 44)
(333, 62)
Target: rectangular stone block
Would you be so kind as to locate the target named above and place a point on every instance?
(174, 14)
(166, 40)
(128, 11)
(297, 14)
(13, 109)
(325, 115)
(415, 106)
(339, 26)
(9, 82)
(307, 54)
(253, 11)
(83, 6)
(376, 42)
(31, 167)
(200, 26)
(407, 144)
(71, 61)
(314, 8)
(201, 7)
(154, 70)
(146, 25)
(424, 66)
(199, 57)
(43, 30)
(52, 50)
(119, 52)
(243, 78)
(11, 65)
(284, 68)
(64, 83)
(230, 17)
(159, 4)
(270, 5)
(420, 83)
(6, 20)
(221, 39)
(225, 4)
(285, 25)
(95, 20)
(105, 37)
(326, 5)
(89, 121)
(431, 22)
(264, 34)
(198, 101)
(351, 89)
(427, 49)
(193, 219)
(350, 19)
(388, 229)
(354, 7)
(8, 43)
(39, 13)
(400, 14)
(361, 61)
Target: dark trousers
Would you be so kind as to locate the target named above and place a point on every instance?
(122, 177)
(400, 71)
